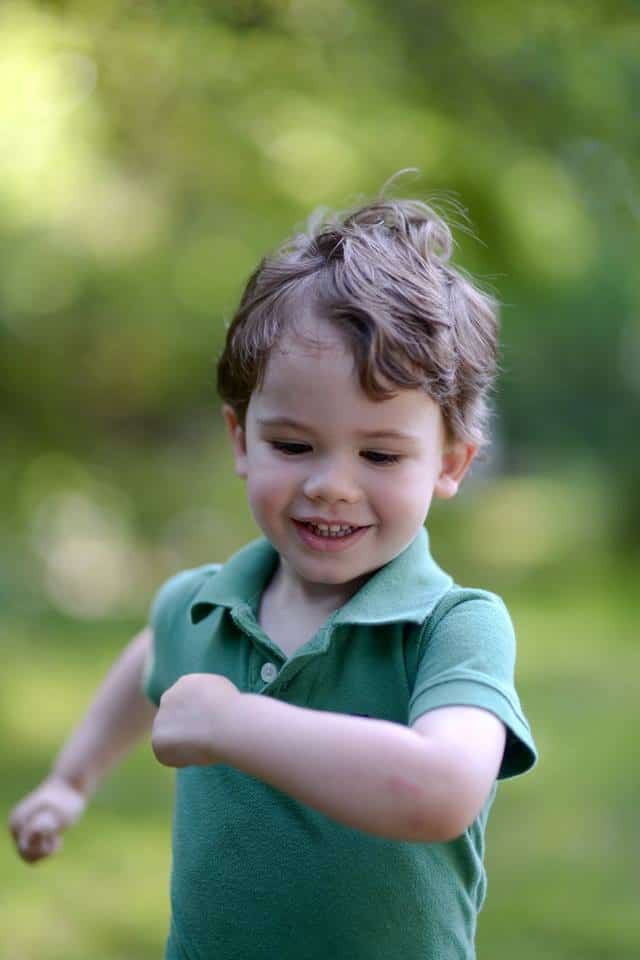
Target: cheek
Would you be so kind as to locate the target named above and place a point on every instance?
(269, 481)
(409, 493)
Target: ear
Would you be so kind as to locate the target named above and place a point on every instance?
(238, 439)
(456, 460)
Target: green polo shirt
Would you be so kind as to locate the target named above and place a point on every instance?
(258, 875)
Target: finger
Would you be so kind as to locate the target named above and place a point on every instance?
(17, 817)
(49, 845)
(35, 848)
(24, 811)
(45, 822)
(29, 851)
(39, 833)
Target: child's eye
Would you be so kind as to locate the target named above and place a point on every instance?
(292, 449)
(289, 448)
(381, 458)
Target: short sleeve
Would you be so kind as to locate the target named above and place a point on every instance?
(467, 658)
(168, 603)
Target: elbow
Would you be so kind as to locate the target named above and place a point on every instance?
(453, 827)
(427, 825)
(444, 815)
(452, 792)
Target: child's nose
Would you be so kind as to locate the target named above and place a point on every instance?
(331, 482)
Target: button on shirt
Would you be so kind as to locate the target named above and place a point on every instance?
(255, 872)
(269, 672)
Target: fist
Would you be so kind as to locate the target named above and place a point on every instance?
(37, 821)
(189, 726)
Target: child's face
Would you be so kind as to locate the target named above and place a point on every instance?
(338, 462)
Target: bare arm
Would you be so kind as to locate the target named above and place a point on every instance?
(118, 717)
(424, 784)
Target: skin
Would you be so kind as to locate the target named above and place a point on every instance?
(334, 474)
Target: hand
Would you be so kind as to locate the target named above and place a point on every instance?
(37, 821)
(188, 728)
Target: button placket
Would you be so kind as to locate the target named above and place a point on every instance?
(268, 671)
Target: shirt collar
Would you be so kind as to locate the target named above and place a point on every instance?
(405, 589)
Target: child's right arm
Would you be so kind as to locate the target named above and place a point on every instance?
(118, 717)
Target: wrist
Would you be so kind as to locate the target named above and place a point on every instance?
(227, 729)
(81, 783)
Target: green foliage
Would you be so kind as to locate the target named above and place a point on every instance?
(155, 151)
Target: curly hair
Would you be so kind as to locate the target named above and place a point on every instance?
(380, 273)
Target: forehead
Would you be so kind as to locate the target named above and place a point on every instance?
(311, 376)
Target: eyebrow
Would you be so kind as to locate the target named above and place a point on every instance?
(370, 434)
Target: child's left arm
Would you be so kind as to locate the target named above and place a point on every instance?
(426, 783)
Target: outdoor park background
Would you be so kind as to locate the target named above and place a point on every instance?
(150, 153)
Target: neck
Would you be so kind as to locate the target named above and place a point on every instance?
(292, 591)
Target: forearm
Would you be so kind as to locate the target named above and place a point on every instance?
(117, 718)
(377, 776)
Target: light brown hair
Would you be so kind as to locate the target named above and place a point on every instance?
(381, 274)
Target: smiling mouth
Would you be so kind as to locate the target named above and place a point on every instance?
(331, 531)
(318, 537)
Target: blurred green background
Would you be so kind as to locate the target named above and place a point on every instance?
(150, 154)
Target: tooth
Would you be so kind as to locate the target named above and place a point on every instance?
(331, 530)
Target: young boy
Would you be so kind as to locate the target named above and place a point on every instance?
(338, 709)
